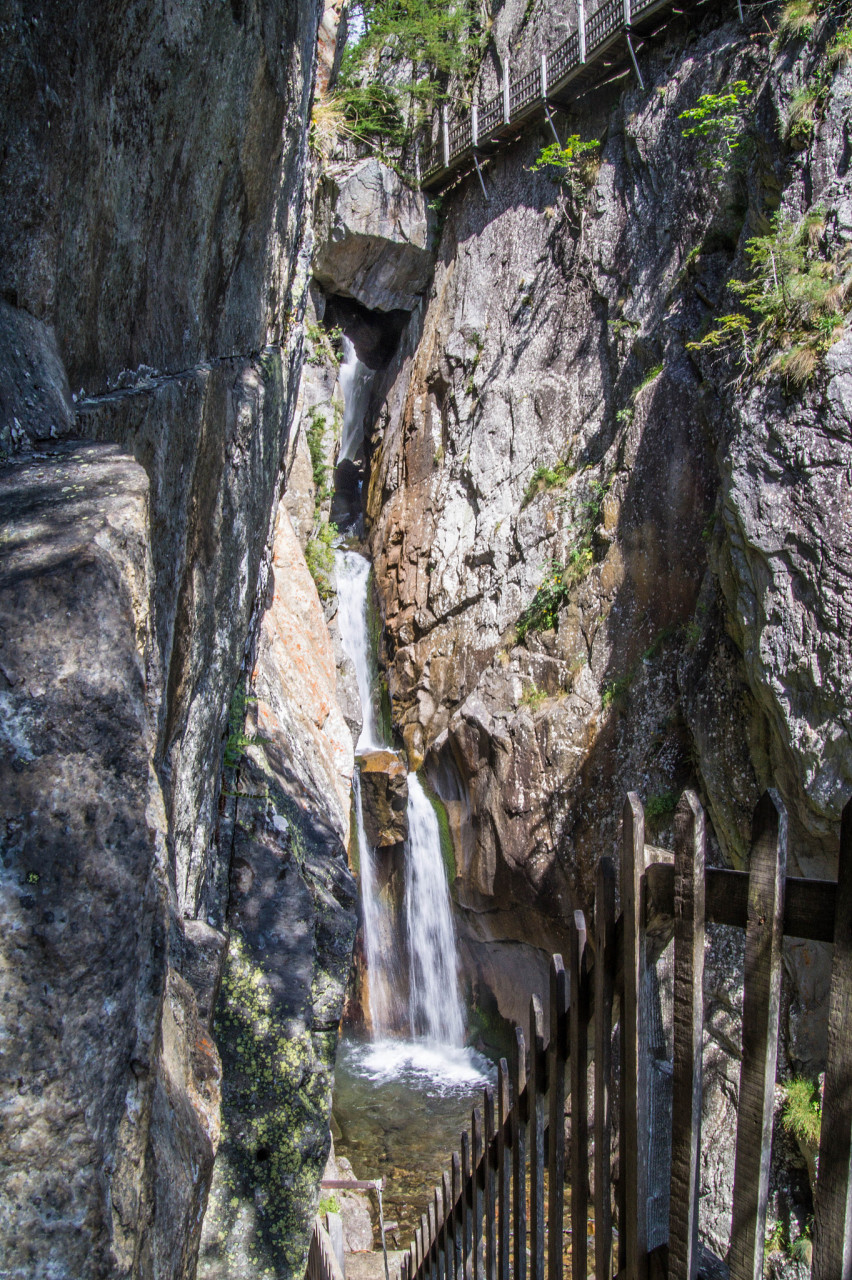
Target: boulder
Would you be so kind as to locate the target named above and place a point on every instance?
(373, 238)
(384, 792)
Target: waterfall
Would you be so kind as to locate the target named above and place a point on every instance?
(353, 572)
(434, 1004)
(356, 379)
(377, 930)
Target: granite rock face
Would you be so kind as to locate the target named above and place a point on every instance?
(154, 265)
(604, 563)
(384, 793)
(373, 237)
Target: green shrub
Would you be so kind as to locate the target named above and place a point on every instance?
(575, 165)
(328, 1204)
(237, 739)
(614, 691)
(660, 805)
(319, 557)
(797, 20)
(718, 122)
(802, 1113)
(315, 437)
(545, 477)
(794, 301)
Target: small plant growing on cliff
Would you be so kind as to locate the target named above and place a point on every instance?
(575, 164)
(319, 557)
(315, 437)
(545, 477)
(802, 1113)
(718, 122)
(238, 739)
(533, 697)
(794, 301)
(797, 20)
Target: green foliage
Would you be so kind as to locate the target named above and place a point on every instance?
(650, 376)
(319, 557)
(238, 740)
(614, 691)
(802, 1113)
(395, 72)
(328, 1204)
(797, 20)
(660, 805)
(575, 164)
(325, 344)
(801, 117)
(533, 697)
(315, 437)
(718, 121)
(794, 301)
(839, 51)
(545, 477)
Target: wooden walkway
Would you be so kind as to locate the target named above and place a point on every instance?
(602, 43)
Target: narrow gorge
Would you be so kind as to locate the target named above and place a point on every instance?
(363, 544)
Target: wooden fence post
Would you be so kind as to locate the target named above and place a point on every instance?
(458, 1240)
(833, 1234)
(761, 998)
(578, 1058)
(504, 1172)
(475, 1190)
(688, 1037)
(558, 1051)
(490, 1187)
(604, 983)
(536, 1088)
(633, 1179)
(519, 1158)
(446, 1239)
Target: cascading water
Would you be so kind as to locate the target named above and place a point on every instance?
(353, 573)
(356, 379)
(435, 1008)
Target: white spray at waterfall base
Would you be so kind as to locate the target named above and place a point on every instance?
(356, 379)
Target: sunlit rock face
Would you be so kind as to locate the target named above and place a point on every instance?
(545, 426)
(152, 188)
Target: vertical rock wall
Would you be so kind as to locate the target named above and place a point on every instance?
(152, 196)
(546, 425)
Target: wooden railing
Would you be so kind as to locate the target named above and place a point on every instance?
(322, 1260)
(466, 129)
(499, 1210)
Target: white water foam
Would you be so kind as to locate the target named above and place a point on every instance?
(356, 379)
(444, 1067)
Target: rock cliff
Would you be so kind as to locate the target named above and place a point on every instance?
(152, 194)
(607, 561)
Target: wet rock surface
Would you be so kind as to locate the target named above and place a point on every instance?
(384, 793)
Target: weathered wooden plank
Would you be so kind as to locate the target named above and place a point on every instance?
(808, 904)
(557, 1058)
(424, 1235)
(761, 998)
(440, 1266)
(833, 1216)
(465, 1199)
(446, 1233)
(458, 1242)
(476, 1191)
(633, 1221)
(688, 1037)
(537, 1103)
(579, 1063)
(504, 1173)
(490, 1187)
(604, 992)
(432, 1226)
(519, 1158)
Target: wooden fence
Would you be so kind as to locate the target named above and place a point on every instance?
(499, 1210)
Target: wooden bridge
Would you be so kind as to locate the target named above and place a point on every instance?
(498, 1213)
(602, 43)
